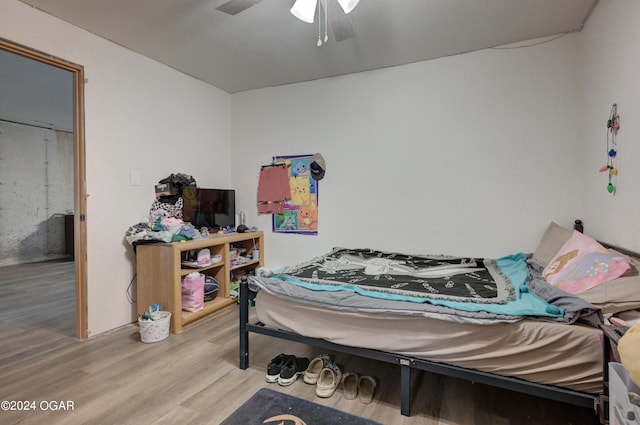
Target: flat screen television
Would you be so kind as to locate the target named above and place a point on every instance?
(210, 208)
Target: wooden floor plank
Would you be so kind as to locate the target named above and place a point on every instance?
(193, 378)
(37, 309)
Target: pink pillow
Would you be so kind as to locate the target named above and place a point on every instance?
(583, 263)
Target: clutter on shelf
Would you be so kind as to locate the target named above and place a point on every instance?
(239, 256)
(166, 219)
(164, 222)
(200, 258)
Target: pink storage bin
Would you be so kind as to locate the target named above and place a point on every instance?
(193, 292)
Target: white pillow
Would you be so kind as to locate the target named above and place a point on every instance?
(553, 239)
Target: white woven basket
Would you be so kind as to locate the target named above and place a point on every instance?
(155, 330)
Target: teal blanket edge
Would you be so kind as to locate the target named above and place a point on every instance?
(514, 266)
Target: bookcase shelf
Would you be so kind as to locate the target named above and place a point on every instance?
(160, 272)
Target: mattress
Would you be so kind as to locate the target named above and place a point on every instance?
(550, 353)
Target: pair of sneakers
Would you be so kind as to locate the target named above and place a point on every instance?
(285, 369)
(324, 374)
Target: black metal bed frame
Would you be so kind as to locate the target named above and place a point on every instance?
(599, 402)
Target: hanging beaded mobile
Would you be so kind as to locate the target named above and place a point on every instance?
(613, 125)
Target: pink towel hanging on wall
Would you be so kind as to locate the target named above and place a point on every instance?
(273, 189)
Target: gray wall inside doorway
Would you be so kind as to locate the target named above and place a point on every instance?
(36, 192)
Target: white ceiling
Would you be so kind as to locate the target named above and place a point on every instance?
(266, 46)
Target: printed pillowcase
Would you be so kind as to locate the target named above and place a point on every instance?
(582, 263)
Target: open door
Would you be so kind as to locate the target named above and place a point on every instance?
(79, 221)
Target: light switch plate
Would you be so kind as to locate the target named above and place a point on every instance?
(135, 178)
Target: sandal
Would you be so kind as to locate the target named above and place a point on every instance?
(312, 373)
(366, 388)
(330, 378)
(350, 386)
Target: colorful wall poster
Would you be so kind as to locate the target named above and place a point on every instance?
(300, 214)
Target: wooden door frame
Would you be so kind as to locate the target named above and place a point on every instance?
(80, 224)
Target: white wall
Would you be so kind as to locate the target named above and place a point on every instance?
(611, 64)
(140, 115)
(468, 155)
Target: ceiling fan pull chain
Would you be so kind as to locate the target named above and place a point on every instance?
(319, 29)
(326, 12)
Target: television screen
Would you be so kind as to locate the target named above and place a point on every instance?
(211, 208)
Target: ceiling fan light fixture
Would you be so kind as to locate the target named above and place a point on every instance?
(305, 10)
(348, 5)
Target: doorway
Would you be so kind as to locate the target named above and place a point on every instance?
(76, 222)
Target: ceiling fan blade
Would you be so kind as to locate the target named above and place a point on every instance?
(340, 22)
(233, 7)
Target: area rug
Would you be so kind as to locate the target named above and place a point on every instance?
(268, 407)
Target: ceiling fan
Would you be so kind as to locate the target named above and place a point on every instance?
(305, 10)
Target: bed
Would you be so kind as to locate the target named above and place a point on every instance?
(440, 331)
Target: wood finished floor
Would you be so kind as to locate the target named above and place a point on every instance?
(193, 378)
(37, 309)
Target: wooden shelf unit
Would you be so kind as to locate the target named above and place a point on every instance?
(160, 272)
